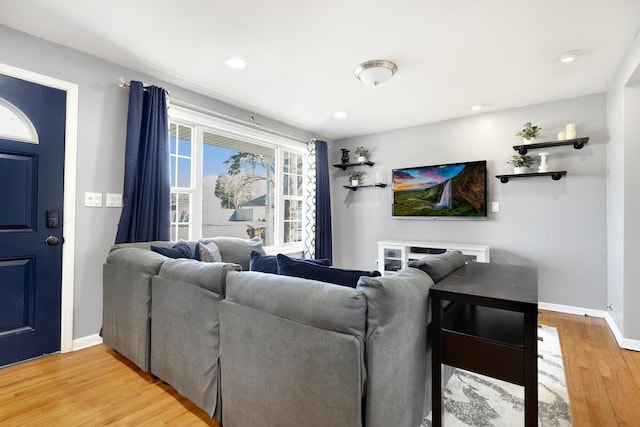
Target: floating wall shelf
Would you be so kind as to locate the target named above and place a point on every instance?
(555, 175)
(344, 166)
(355, 187)
(577, 143)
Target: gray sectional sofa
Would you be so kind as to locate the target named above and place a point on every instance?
(261, 349)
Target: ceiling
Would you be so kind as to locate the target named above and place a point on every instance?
(301, 53)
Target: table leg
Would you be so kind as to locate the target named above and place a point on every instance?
(436, 358)
(531, 368)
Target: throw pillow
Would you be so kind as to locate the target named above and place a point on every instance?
(180, 250)
(290, 267)
(269, 263)
(208, 252)
(439, 266)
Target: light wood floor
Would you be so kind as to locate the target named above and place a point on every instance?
(603, 380)
(96, 386)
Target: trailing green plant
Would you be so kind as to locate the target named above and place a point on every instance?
(362, 152)
(521, 161)
(356, 175)
(529, 131)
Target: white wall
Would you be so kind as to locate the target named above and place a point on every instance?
(558, 226)
(101, 139)
(623, 228)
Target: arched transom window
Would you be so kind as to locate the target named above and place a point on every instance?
(15, 125)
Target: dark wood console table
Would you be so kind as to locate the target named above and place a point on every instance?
(485, 320)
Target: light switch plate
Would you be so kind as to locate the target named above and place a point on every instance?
(495, 206)
(114, 200)
(93, 200)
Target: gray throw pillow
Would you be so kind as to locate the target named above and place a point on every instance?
(439, 266)
(209, 252)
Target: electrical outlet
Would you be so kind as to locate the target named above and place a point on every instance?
(495, 206)
(93, 200)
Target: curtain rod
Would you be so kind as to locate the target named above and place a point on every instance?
(121, 82)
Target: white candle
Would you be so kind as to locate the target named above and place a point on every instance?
(571, 127)
(561, 136)
(571, 134)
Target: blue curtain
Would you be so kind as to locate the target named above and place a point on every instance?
(324, 244)
(147, 192)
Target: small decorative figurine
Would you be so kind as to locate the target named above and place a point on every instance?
(345, 155)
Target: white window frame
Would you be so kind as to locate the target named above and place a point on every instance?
(201, 122)
(184, 190)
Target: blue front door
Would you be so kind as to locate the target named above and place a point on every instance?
(31, 212)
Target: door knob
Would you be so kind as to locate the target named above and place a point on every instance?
(51, 241)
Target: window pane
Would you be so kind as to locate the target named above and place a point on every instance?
(183, 207)
(183, 232)
(237, 188)
(287, 210)
(286, 160)
(299, 188)
(172, 160)
(184, 147)
(15, 125)
(173, 207)
(184, 172)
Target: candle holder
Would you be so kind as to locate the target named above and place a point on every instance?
(544, 167)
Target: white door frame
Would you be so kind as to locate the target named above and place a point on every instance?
(69, 217)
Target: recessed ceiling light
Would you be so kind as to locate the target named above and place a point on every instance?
(236, 63)
(477, 107)
(339, 114)
(569, 56)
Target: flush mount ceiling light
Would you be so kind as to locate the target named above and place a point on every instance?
(339, 114)
(375, 72)
(477, 107)
(569, 56)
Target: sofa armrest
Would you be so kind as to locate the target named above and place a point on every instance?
(126, 300)
(137, 259)
(398, 362)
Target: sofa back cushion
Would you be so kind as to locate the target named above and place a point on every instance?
(313, 303)
(236, 250)
(232, 249)
(439, 266)
(291, 267)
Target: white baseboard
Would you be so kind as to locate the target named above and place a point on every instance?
(623, 342)
(84, 342)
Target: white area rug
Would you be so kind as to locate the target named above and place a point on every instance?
(476, 400)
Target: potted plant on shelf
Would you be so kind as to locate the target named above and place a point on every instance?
(362, 153)
(529, 132)
(520, 163)
(355, 177)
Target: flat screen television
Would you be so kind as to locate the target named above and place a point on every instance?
(454, 190)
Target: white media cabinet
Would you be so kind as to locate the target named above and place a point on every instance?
(394, 255)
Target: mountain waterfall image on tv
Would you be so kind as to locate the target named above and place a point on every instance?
(451, 190)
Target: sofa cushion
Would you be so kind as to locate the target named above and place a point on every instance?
(208, 252)
(318, 304)
(180, 250)
(290, 267)
(439, 266)
(269, 263)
